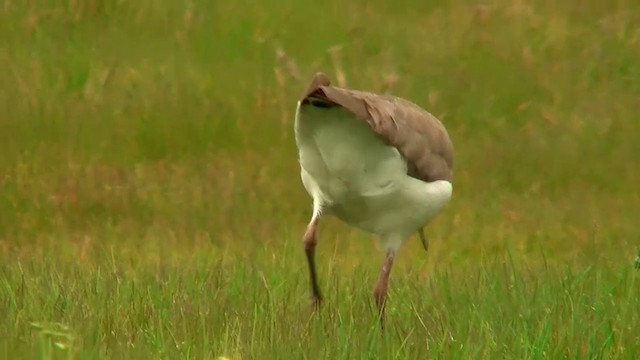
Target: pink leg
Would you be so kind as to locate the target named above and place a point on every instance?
(380, 291)
(309, 249)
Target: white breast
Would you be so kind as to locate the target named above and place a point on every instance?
(359, 179)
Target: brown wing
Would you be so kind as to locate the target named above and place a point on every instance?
(419, 137)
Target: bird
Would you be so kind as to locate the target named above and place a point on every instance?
(377, 162)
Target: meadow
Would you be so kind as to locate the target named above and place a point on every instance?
(151, 205)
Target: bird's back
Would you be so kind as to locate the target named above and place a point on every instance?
(419, 137)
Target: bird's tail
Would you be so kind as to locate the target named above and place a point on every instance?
(423, 239)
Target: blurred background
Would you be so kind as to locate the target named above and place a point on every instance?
(171, 122)
(151, 204)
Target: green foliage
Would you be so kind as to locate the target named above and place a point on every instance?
(150, 203)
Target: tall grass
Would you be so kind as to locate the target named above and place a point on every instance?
(150, 203)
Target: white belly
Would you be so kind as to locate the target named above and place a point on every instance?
(359, 179)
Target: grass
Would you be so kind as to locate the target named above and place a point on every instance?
(150, 203)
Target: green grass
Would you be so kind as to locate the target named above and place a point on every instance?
(151, 207)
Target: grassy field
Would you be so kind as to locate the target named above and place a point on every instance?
(151, 206)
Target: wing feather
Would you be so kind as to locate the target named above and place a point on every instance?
(419, 136)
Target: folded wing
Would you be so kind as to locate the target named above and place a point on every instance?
(419, 137)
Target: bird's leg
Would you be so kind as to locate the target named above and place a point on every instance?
(380, 291)
(309, 249)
